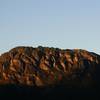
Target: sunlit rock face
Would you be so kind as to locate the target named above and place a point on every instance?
(43, 66)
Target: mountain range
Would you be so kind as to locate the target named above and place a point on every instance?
(49, 72)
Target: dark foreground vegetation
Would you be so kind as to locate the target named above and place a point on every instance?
(48, 93)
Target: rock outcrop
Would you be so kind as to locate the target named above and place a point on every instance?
(43, 66)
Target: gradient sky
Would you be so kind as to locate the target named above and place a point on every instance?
(54, 23)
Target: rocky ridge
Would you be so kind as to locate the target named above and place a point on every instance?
(43, 66)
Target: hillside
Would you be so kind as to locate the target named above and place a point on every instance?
(47, 68)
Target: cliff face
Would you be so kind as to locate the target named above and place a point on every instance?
(43, 66)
